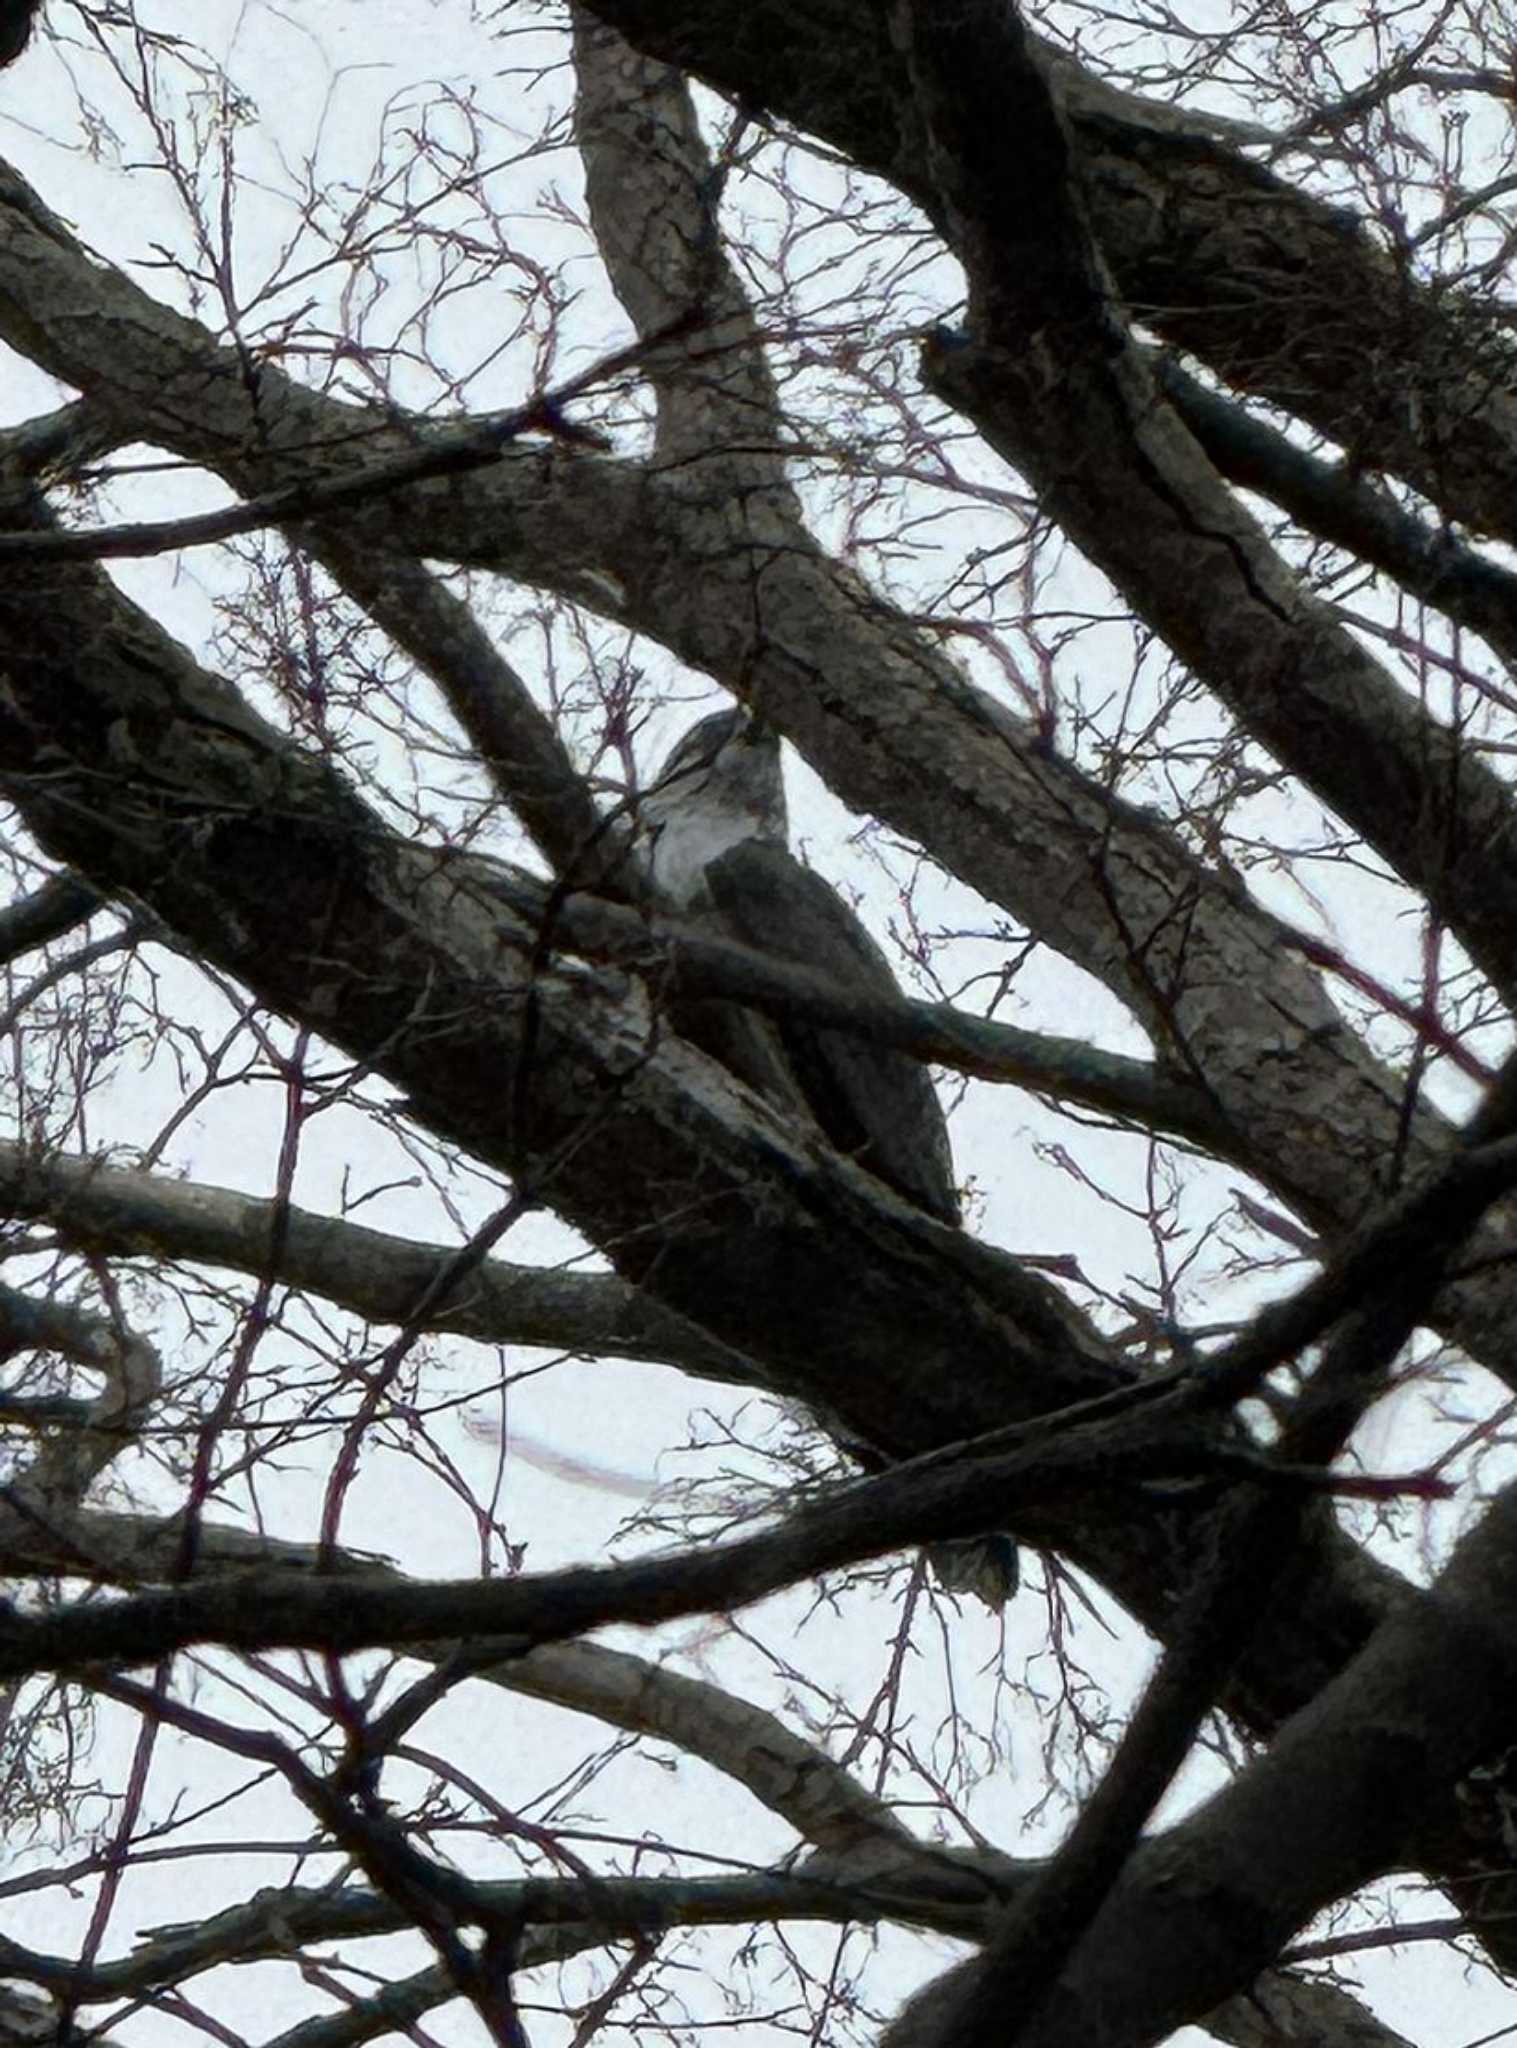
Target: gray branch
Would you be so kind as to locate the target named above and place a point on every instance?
(122, 1212)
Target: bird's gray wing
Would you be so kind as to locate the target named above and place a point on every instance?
(874, 1103)
(870, 1100)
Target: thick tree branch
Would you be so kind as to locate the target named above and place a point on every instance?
(1050, 377)
(1281, 294)
(74, 1453)
(685, 961)
(794, 1778)
(1261, 1528)
(59, 906)
(654, 199)
(121, 1212)
(944, 1495)
(1331, 500)
(1202, 1909)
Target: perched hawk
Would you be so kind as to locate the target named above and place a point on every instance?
(716, 831)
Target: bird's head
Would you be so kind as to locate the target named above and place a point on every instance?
(727, 759)
(720, 784)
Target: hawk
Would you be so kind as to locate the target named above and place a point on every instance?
(717, 830)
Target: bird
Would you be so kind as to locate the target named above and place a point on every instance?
(716, 830)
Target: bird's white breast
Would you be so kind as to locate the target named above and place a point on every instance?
(686, 840)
